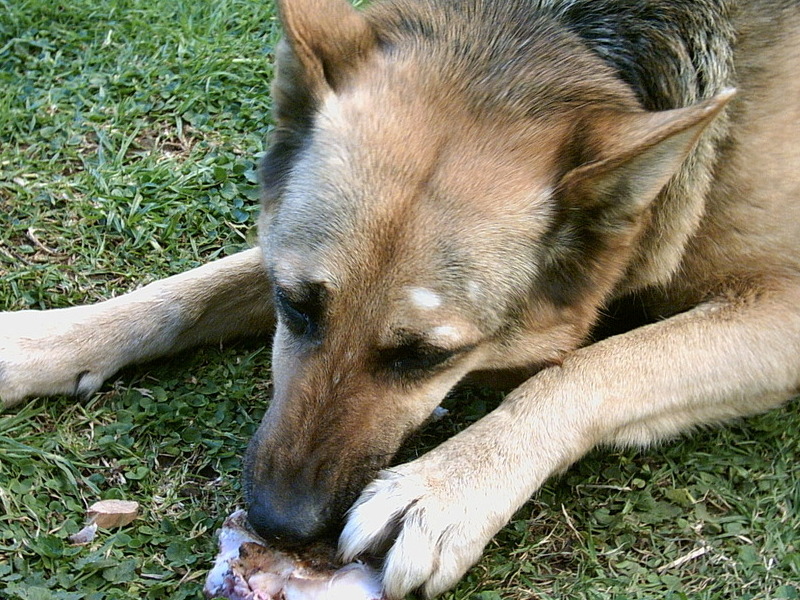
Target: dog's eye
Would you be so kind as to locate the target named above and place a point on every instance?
(418, 360)
(301, 316)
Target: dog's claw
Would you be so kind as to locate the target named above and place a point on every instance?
(372, 523)
(431, 544)
(42, 355)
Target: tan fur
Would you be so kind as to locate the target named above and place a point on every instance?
(74, 350)
(447, 196)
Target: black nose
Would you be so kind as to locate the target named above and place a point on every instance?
(293, 520)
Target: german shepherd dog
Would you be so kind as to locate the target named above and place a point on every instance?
(476, 187)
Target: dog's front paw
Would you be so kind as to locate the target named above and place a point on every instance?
(43, 353)
(434, 522)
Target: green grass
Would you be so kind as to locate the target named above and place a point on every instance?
(129, 130)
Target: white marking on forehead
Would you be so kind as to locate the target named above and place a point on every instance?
(424, 298)
(446, 333)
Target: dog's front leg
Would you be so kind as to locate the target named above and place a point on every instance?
(723, 359)
(73, 350)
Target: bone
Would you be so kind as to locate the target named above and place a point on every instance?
(113, 513)
(247, 568)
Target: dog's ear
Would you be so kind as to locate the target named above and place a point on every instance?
(327, 38)
(620, 162)
(324, 40)
(626, 158)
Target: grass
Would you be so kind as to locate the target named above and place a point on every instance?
(129, 130)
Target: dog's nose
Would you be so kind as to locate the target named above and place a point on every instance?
(296, 522)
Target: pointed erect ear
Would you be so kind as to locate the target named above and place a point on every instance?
(632, 155)
(327, 37)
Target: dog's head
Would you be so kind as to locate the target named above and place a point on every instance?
(444, 193)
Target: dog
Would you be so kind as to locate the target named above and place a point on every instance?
(593, 201)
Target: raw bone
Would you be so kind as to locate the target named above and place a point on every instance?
(246, 568)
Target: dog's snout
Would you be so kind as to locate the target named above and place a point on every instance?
(294, 522)
(319, 444)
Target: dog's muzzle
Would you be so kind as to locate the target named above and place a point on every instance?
(291, 519)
